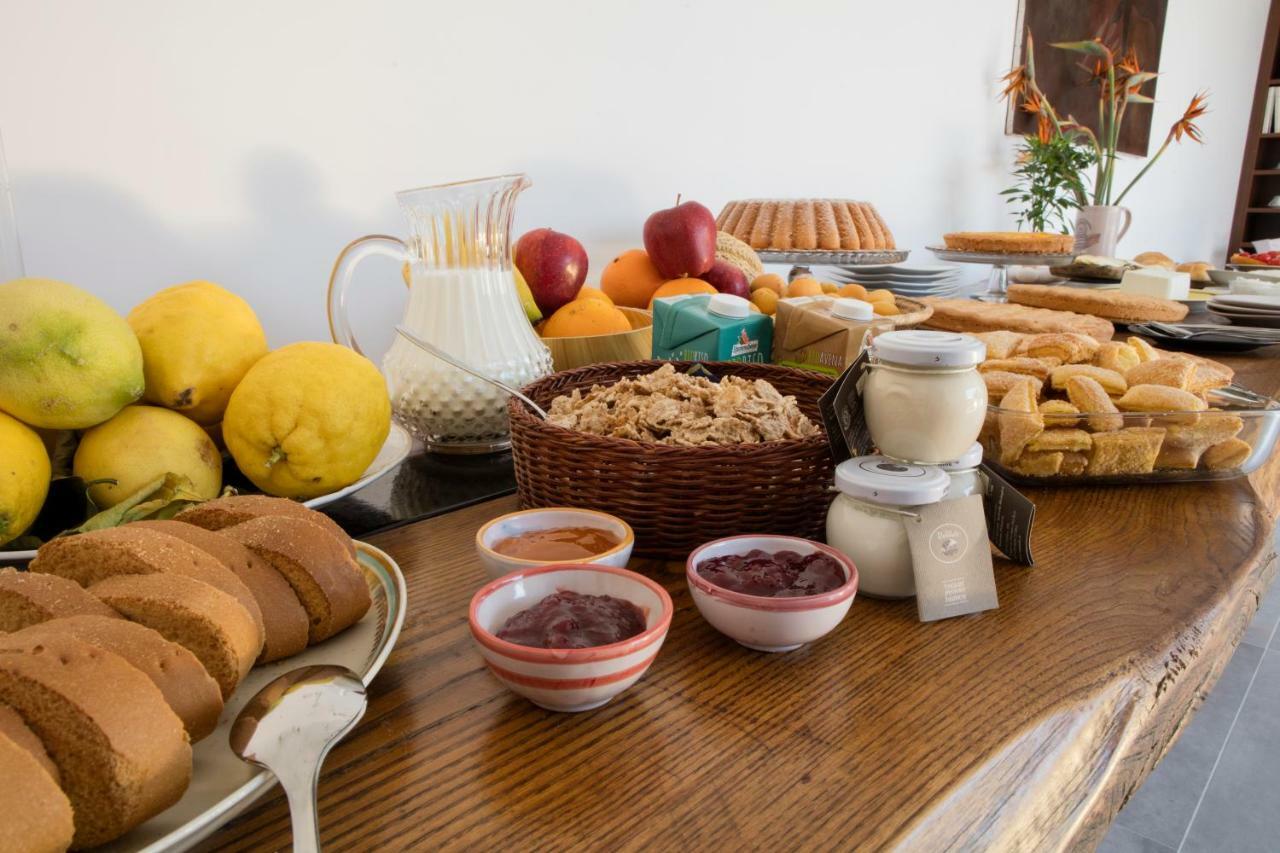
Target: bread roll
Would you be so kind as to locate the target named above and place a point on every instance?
(35, 816)
(1199, 271)
(283, 618)
(1154, 259)
(224, 512)
(28, 599)
(121, 751)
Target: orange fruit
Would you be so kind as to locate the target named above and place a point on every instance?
(829, 287)
(885, 308)
(804, 286)
(771, 280)
(880, 296)
(583, 317)
(680, 286)
(589, 292)
(852, 291)
(766, 300)
(630, 279)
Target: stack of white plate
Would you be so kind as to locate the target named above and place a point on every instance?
(1247, 310)
(908, 279)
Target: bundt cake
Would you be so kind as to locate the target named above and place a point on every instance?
(822, 224)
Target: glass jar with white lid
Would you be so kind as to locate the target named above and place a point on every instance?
(923, 398)
(965, 477)
(867, 520)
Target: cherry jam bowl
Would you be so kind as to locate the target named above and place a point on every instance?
(568, 679)
(770, 624)
(525, 520)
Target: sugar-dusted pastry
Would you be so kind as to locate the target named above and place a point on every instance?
(1000, 344)
(1146, 352)
(1112, 304)
(1177, 457)
(1212, 428)
(1173, 372)
(1074, 464)
(1059, 413)
(1117, 356)
(1125, 451)
(968, 315)
(1000, 381)
(1068, 347)
(1033, 464)
(1092, 399)
(1231, 453)
(1209, 375)
(1020, 419)
(1111, 382)
(1162, 398)
(1037, 367)
(1075, 440)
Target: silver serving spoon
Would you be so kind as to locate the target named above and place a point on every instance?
(466, 368)
(290, 726)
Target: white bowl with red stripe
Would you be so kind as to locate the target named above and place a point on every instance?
(760, 622)
(568, 679)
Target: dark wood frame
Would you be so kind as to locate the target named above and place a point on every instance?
(1258, 178)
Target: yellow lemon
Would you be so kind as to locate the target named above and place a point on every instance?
(24, 477)
(307, 420)
(141, 444)
(198, 340)
(67, 361)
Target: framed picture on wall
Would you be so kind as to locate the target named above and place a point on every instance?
(1121, 24)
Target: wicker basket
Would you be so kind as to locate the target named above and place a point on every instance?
(676, 498)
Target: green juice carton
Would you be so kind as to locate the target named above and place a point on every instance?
(703, 327)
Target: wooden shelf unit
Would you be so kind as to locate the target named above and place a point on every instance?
(1260, 169)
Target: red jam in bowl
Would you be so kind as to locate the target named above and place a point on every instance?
(782, 575)
(569, 620)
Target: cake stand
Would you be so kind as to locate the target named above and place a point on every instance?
(803, 259)
(998, 283)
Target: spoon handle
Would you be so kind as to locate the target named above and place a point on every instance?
(300, 781)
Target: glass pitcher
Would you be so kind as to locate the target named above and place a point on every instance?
(462, 299)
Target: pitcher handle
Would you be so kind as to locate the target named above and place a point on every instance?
(1128, 220)
(340, 280)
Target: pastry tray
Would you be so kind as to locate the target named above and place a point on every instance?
(1001, 259)
(828, 257)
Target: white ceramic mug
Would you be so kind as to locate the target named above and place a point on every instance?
(1099, 228)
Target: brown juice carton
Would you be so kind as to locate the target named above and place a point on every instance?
(821, 332)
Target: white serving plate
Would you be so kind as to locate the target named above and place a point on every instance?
(1268, 321)
(905, 279)
(394, 451)
(223, 786)
(1239, 300)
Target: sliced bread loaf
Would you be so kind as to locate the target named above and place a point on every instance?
(283, 618)
(225, 512)
(327, 581)
(35, 816)
(27, 599)
(134, 550)
(212, 625)
(122, 754)
(12, 727)
(190, 691)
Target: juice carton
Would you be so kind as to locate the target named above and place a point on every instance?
(822, 333)
(703, 327)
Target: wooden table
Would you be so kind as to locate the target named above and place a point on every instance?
(1025, 728)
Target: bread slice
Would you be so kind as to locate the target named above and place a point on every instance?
(224, 512)
(327, 581)
(36, 814)
(192, 694)
(87, 558)
(121, 751)
(28, 599)
(283, 618)
(13, 727)
(211, 624)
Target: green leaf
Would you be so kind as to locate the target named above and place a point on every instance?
(1135, 98)
(164, 497)
(1091, 48)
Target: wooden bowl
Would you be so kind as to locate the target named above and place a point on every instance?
(579, 351)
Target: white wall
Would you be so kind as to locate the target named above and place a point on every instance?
(154, 141)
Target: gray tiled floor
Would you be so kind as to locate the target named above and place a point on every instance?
(1218, 788)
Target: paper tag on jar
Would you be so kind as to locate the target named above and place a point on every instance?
(842, 414)
(1010, 515)
(951, 559)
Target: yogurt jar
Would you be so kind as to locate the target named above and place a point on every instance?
(867, 520)
(964, 475)
(923, 397)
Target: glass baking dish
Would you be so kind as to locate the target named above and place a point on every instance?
(1137, 447)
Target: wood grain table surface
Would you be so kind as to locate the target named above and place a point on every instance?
(1023, 728)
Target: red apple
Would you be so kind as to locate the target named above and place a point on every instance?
(727, 278)
(554, 265)
(681, 240)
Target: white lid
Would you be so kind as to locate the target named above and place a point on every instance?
(728, 305)
(971, 458)
(882, 480)
(852, 309)
(929, 349)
